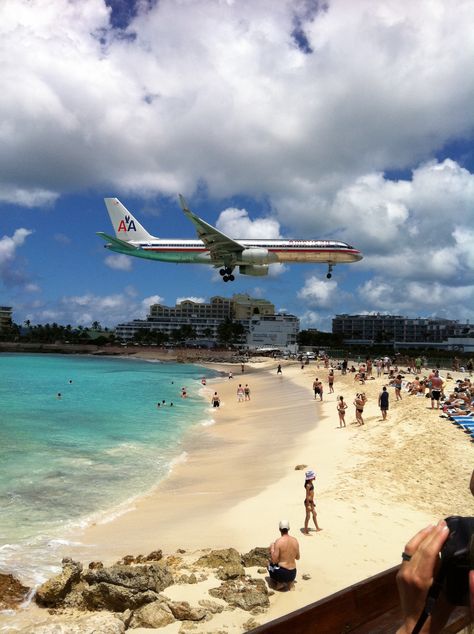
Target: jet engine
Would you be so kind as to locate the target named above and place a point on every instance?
(253, 269)
(254, 256)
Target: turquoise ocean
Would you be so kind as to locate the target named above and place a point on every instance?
(84, 456)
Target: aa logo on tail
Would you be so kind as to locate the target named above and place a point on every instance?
(126, 225)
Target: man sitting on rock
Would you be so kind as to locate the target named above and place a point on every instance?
(283, 555)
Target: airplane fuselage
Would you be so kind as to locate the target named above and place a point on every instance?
(256, 252)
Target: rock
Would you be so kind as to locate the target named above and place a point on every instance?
(181, 551)
(300, 467)
(116, 598)
(306, 577)
(243, 593)
(125, 617)
(141, 577)
(227, 561)
(211, 606)
(155, 555)
(126, 561)
(262, 571)
(216, 558)
(187, 578)
(95, 565)
(258, 556)
(54, 590)
(75, 598)
(230, 571)
(153, 615)
(140, 559)
(12, 592)
(102, 623)
(182, 611)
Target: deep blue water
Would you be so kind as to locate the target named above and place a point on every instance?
(66, 460)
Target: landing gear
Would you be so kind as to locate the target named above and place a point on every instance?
(227, 274)
(329, 274)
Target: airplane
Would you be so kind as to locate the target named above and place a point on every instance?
(214, 248)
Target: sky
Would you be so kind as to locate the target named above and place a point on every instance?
(274, 118)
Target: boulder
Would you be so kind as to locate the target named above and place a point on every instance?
(153, 615)
(52, 592)
(95, 565)
(226, 560)
(182, 611)
(246, 593)
(102, 623)
(216, 558)
(12, 592)
(142, 577)
(258, 556)
(126, 561)
(116, 598)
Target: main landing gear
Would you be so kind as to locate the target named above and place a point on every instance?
(227, 274)
(329, 275)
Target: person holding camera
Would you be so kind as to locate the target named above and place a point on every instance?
(435, 576)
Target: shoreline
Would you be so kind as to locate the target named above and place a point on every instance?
(239, 480)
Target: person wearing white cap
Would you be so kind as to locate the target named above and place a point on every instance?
(283, 555)
(309, 502)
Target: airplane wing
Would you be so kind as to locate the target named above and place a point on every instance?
(116, 242)
(219, 245)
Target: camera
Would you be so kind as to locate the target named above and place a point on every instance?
(457, 559)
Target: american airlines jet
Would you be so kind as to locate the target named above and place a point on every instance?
(218, 250)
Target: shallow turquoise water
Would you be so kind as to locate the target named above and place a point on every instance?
(65, 460)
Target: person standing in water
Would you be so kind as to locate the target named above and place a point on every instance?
(309, 502)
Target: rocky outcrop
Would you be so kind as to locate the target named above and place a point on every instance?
(131, 590)
(12, 592)
(247, 594)
(116, 588)
(53, 591)
(258, 556)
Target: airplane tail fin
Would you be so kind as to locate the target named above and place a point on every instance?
(125, 225)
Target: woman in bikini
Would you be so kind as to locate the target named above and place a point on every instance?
(341, 410)
(309, 502)
(359, 403)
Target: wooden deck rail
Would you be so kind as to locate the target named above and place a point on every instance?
(368, 607)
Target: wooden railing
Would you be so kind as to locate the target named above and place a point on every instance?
(368, 607)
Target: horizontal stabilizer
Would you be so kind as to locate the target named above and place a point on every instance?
(116, 242)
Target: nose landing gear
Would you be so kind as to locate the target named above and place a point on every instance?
(329, 274)
(227, 274)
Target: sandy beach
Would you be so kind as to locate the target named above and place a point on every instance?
(376, 485)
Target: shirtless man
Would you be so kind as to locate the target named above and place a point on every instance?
(283, 555)
(436, 389)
